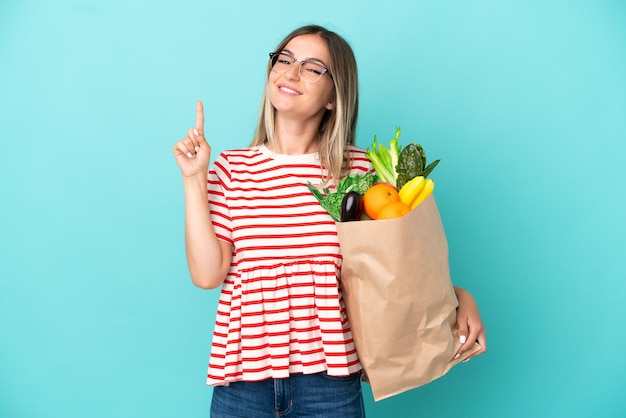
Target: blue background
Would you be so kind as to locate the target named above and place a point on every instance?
(524, 102)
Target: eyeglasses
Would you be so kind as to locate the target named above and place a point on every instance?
(309, 71)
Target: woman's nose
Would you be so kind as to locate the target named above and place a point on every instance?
(294, 71)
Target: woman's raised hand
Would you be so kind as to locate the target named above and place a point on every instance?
(193, 153)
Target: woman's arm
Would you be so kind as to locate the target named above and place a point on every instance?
(471, 328)
(208, 257)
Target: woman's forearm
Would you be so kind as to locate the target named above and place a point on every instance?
(460, 292)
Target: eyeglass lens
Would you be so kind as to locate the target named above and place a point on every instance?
(309, 71)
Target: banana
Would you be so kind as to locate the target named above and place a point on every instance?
(411, 190)
(429, 185)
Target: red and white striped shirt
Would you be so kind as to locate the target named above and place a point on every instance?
(280, 309)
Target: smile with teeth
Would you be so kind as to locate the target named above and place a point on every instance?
(288, 90)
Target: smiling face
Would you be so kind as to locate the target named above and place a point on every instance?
(294, 98)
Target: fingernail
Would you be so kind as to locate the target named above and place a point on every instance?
(195, 131)
(466, 360)
(463, 338)
(197, 149)
(189, 155)
(457, 356)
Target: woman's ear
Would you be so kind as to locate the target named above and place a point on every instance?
(330, 105)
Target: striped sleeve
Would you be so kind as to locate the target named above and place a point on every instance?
(218, 180)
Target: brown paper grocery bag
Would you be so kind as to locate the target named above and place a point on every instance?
(400, 299)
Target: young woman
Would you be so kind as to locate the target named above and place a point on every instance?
(282, 344)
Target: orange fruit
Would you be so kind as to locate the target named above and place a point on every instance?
(393, 210)
(377, 197)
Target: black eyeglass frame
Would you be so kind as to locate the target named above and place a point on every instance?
(274, 56)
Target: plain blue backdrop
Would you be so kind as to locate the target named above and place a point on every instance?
(523, 101)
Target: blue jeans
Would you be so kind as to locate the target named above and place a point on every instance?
(301, 395)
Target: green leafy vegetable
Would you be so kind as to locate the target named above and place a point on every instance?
(332, 201)
(412, 163)
(356, 182)
(385, 160)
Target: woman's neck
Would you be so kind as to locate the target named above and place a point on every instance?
(294, 138)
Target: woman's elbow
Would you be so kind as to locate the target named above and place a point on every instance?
(204, 282)
(206, 278)
(210, 272)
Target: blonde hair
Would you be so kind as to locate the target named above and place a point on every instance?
(338, 126)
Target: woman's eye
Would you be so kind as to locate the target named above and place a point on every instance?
(284, 59)
(313, 70)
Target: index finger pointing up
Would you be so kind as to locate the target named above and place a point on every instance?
(199, 116)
